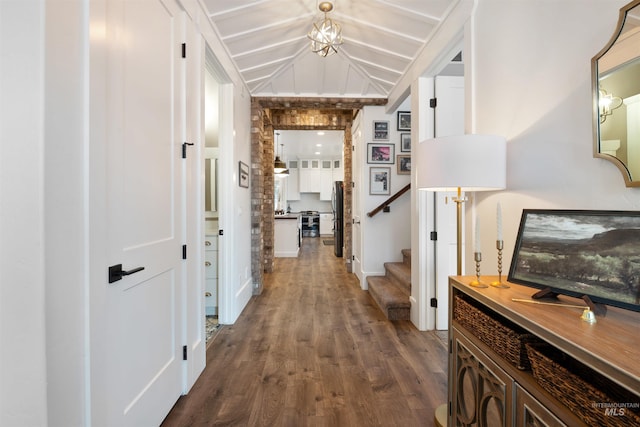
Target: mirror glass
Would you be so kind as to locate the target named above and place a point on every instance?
(211, 182)
(616, 96)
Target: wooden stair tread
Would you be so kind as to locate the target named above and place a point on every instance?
(399, 272)
(392, 292)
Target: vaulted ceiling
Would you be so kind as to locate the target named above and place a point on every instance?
(267, 41)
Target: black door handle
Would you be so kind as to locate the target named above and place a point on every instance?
(116, 272)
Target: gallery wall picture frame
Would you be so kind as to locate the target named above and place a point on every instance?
(404, 164)
(405, 142)
(380, 130)
(404, 120)
(243, 175)
(381, 153)
(380, 181)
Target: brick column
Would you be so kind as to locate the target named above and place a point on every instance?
(257, 194)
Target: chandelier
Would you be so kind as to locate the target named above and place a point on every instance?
(326, 35)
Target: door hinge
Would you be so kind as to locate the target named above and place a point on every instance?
(184, 149)
(450, 346)
(434, 302)
(353, 148)
(353, 184)
(433, 102)
(184, 50)
(184, 251)
(433, 235)
(353, 257)
(184, 352)
(220, 232)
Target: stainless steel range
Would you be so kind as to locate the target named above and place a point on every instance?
(310, 223)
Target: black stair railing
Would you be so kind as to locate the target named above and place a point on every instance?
(389, 200)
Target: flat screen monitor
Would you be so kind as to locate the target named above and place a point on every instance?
(580, 253)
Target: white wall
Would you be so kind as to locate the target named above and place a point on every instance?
(22, 216)
(530, 62)
(385, 234)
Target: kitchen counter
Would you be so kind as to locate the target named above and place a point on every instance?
(288, 216)
(287, 235)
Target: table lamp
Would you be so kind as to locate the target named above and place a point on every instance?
(462, 163)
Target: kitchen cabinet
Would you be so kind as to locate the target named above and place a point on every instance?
(310, 176)
(490, 386)
(326, 184)
(338, 170)
(293, 181)
(211, 274)
(326, 224)
(318, 175)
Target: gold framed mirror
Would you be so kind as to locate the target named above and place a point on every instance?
(616, 96)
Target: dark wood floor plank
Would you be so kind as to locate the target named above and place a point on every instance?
(314, 350)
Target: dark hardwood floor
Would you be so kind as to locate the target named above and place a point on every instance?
(314, 350)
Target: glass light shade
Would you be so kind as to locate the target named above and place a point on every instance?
(279, 166)
(326, 36)
(469, 162)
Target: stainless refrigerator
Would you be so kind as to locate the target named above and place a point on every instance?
(337, 202)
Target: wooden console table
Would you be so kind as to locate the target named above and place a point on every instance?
(611, 347)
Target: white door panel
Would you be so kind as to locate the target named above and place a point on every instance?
(449, 119)
(143, 369)
(356, 231)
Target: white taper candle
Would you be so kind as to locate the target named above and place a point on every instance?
(499, 219)
(476, 240)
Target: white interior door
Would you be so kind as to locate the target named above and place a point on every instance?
(356, 231)
(143, 369)
(449, 120)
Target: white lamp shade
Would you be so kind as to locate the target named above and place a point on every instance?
(469, 162)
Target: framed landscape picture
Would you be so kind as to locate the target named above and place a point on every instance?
(580, 253)
(380, 130)
(379, 181)
(404, 120)
(380, 153)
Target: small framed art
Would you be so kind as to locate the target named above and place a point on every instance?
(380, 130)
(379, 181)
(404, 120)
(405, 142)
(243, 175)
(404, 164)
(381, 153)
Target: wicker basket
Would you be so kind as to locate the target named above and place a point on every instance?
(589, 395)
(502, 336)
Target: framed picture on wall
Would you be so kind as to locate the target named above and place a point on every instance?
(404, 120)
(243, 175)
(381, 153)
(380, 181)
(404, 164)
(380, 130)
(405, 142)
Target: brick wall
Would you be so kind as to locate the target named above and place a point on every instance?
(268, 114)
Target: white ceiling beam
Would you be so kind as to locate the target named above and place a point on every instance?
(435, 20)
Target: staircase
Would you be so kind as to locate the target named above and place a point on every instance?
(391, 292)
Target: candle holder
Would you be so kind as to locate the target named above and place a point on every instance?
(477, 256)
(498, 283)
